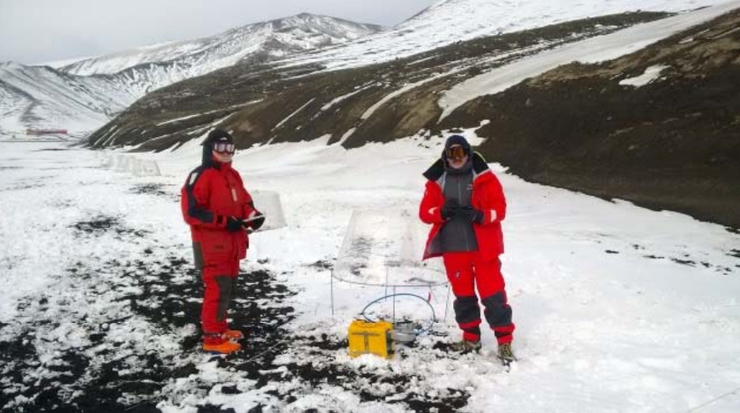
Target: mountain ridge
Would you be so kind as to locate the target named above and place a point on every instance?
(190, 51)
(49, 102)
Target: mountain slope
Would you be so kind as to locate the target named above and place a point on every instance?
(387, 101)
(84, 95)
(375, 103)
(265, 40)
(46, 98)
(450, 21)
(369, 89)
(659, 127)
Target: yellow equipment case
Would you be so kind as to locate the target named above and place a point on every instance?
(370, 338)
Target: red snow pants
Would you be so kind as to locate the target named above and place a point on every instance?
(466, 270)
(219, 280)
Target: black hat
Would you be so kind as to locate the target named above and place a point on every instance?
(218, 135)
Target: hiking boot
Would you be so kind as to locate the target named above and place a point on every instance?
(505, 354)
(466, 346)
(233, 335)
(225, 347)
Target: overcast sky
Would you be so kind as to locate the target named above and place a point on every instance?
(37, 31)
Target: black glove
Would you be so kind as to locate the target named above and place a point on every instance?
(233, 224)
(478, 216)
(450, 208)
(256, 223)
(469, 214)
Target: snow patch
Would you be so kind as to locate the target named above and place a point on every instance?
(650, 74)
(293, 114)
(343, 97)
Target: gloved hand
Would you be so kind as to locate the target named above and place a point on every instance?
(450, 208)
(469, 214)
(256, 222)
(233, 224)
(478, 216)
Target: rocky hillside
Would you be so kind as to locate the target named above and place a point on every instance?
(656, 126)
(659, 127)
(381, 102)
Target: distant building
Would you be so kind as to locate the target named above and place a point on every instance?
(37, 132)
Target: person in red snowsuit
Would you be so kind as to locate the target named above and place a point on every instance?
(219, 211)
(464, 202)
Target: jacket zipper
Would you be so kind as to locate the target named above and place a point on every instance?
(234, 245)
(465, 233)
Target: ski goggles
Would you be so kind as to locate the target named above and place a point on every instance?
(455, 152)
(224, 147)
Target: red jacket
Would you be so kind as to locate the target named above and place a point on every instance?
(213, 193)
(488, 196)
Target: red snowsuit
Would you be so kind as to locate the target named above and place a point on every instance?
(213, 193)
(481, 267)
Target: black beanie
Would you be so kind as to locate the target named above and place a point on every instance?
(456, 140)
(218, 135)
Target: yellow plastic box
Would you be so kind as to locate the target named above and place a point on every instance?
(370, 338)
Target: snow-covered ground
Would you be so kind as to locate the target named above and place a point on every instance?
(618, 308)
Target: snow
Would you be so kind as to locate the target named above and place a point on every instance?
(596, 49)
(225, 49)
(369, 112)
(348, 95)
(83, 95)
(56, 64)
(650, 74)
(450, 21)
(618, 308)
(295, 112)
(179, 119)
(347, 134)
(42, 97)
(49, 97)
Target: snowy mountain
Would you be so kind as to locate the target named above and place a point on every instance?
(456, 86)
(42, 97)
(427, 52)
(450, 21)
(85, 94)
(264, 41)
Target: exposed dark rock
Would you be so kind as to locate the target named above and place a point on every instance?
(255, 100)
(671, 144)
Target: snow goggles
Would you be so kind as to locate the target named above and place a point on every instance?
(456, 152)
(224, 147)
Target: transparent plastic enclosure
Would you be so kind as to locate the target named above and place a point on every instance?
(268, 203)
(134, 165)
(386, 249)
